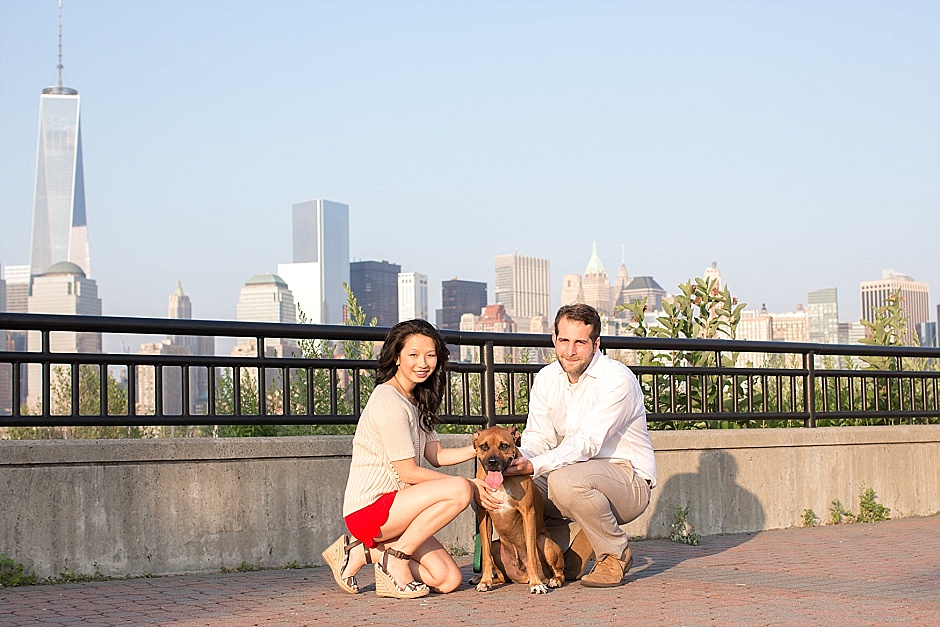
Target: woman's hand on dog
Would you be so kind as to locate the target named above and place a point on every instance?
(485, 497)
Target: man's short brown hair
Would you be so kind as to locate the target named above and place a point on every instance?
(585, 314)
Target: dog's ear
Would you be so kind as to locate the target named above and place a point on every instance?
(476, 436)
(516, 436)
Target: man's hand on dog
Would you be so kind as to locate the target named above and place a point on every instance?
(485, 497)
(519, 466)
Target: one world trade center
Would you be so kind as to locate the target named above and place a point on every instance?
(59, 232)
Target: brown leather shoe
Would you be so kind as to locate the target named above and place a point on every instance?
(577, 557)
(608, 571)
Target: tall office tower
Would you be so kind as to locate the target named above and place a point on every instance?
(321, 260)
(595, 284)
(6, 372)
(375, 286)
(822, 316)
(62, 289)
(17, 282)
(60, 232)
(927, 333)
(458, 298)
(266, 298)
(756, 326)
(644, 287)
(523, 287)
(851, 332)
(620, 283)
(17, 298)
(180, 307)
(571, 291)
(915, 299)
(791, 326)
(412, 296)
(712, 272)
(172, 380)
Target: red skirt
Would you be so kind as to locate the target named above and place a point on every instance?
(366, 524)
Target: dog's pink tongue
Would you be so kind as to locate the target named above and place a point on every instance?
(494, 479)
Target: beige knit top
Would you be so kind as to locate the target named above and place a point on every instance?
(388, 431)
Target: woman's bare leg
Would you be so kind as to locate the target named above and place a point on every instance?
(433, 565)
(415, 516)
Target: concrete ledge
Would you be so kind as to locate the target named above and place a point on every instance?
(134, 507)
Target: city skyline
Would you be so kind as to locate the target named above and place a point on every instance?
(797, 146)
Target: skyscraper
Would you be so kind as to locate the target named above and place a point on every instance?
(60, 232)
(412, 296)
(791, 326)
(375, 285)
(596, 285)
(822, 316)
(62, 289)
(321, 260)
(571, 292)
(712, 272)
(180, 308)
(266, 298)
(620, 283)
(459, 297)
(915, 301)
(17, 299)
(523, 287)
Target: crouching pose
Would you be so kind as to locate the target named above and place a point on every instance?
(587, 446)
(393, 506)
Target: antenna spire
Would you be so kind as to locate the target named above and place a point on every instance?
(60, 66)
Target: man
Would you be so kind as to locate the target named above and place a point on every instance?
(588, 449)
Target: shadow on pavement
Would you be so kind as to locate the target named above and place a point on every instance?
(708, 496)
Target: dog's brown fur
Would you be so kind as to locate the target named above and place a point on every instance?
(527, 554)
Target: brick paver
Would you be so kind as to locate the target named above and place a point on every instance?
(885, 573)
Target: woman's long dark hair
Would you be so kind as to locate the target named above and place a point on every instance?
(428, 395)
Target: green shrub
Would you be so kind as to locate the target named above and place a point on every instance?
(14, 574)
(870, 510)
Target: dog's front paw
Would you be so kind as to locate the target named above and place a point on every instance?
(484, 587)
(539, 589)
(556, 582)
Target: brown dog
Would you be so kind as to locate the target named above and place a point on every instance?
(527, 554)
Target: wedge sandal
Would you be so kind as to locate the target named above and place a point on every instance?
(385, 585)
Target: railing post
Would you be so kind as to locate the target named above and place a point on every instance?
(809, 388)
(46, 375)
(489, 385)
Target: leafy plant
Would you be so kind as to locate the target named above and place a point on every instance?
(870, 510)
(703, 311)
(14, 574)
(810, 519)
(244, 567)
(838, 514)
(681, 530)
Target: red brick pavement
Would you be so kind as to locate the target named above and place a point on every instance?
(862, 574)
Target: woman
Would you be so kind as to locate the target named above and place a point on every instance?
(393, 506)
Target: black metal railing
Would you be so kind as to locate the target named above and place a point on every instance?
(273, 389)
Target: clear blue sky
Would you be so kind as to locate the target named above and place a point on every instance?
(795, 143)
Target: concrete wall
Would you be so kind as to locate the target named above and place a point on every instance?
(133, 507)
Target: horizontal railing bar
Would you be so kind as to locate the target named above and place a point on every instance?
(174, 326)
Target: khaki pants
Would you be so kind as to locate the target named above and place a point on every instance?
(596, 497)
